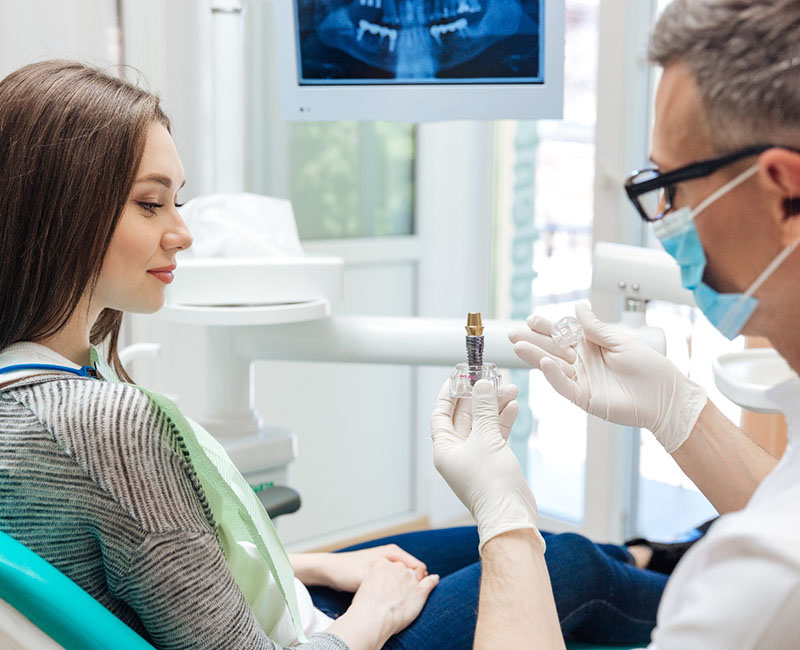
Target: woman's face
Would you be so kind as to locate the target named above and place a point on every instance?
(140, 259)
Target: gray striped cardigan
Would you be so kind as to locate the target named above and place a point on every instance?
(92, 480)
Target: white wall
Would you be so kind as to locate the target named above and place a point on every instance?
(41, 29)
(165, 47)
(169, 43)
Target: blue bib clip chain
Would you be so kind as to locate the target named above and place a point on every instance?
(83, 371)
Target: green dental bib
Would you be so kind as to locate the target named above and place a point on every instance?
(246, 533)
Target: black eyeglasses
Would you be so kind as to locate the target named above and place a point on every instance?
(652, 192)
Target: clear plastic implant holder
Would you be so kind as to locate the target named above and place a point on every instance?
(465, 375)
(567, 332)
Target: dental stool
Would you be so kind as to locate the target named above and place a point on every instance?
(66, 615)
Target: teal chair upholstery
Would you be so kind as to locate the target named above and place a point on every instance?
(69, 615)
(57, 606)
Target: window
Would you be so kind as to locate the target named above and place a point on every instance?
(352, 179)
(545, 195)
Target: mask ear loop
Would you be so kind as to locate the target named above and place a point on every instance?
(672, 223)
(774, 264)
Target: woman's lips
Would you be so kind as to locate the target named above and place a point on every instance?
(164, 274)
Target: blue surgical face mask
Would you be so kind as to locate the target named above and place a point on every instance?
(728, 312)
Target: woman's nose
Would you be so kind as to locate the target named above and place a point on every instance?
(178, 236)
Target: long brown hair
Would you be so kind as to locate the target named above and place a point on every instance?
(71, 139)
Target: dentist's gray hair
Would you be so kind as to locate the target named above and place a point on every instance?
(745, 57)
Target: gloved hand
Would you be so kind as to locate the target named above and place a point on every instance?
(613, 376)
(471, 452)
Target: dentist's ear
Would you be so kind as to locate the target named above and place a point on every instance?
(790, 225)
(779, 170)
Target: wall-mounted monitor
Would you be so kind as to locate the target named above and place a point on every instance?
(420, 60)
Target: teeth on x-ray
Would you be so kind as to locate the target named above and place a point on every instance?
(449, 8)
(390, 15)
(378, 30)
(421, 39)
(414, 12)
(450, 28)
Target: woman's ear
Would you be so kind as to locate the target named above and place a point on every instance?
(780, 171)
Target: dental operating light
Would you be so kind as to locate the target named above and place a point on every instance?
(420, 60)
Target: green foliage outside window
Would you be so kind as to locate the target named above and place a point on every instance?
(352, 179)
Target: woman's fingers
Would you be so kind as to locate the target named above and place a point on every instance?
(428, 583)
(396, 554)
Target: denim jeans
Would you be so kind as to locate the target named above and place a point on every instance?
(601, 596)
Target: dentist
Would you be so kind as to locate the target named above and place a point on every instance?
(724, 199)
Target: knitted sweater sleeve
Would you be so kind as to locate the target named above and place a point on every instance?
(179, 585)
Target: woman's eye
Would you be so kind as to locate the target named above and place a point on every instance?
(150, 207)
(180, 205)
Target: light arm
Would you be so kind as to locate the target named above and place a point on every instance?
(516, 609)
(308, 568)
(723, 461)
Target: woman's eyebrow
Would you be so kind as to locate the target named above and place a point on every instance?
(166, 181)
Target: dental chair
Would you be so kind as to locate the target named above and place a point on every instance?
(42, 609)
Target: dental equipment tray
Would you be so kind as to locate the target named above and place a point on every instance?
(745, 377)
(229, 282)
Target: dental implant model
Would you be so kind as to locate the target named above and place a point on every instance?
(464, 376)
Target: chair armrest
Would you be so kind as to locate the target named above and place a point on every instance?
(279, 500)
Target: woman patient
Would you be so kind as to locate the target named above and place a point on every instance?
(94, 478)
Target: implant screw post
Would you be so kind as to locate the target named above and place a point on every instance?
(474, 342)
(466, 375)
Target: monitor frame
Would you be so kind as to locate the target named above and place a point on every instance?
(421, 102)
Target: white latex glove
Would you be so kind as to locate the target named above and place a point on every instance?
(471, 452)
(615, 377)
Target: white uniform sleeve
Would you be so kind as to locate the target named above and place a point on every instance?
(747, 603)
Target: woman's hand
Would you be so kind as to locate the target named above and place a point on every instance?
(347, 571)
(389, 598)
